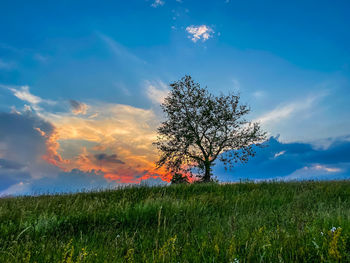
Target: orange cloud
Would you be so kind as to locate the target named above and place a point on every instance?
(52, 146)
(116, 140)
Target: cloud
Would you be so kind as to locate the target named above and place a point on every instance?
(22, 148)
(315, 171)
(72, 181)
(23, 93)
(6, 65)
(119, 130)
(78, 107)
(113, 129)
(258, 94)
(41, 58)
(61, 182)
(279, 154)
(30, 161)
(327, 169)
(287, 110)
(119, 50)
(105, 158)
(157, 92)
(203, 32)
(293, 161)
(236, 84)
(11, 165)
(15, 189)
(153, 182)
(157, 3)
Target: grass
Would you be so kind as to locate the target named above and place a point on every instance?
(247, 222)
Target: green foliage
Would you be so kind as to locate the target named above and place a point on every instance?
(200, 128)
(179, 179)
(244, 222)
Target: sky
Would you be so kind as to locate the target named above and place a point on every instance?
(81, 83)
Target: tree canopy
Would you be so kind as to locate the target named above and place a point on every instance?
(200, 128)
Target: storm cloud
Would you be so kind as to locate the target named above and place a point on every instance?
(293, 161)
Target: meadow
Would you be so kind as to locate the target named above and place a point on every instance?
(244, 222)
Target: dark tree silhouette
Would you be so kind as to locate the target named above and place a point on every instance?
(200, 128)
(179, 179)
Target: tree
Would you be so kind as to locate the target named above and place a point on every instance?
(179, 179)
(200, 128)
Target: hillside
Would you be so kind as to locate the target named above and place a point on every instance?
(266, 222)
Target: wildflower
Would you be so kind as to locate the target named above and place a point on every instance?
(322, 233)
(333, 229)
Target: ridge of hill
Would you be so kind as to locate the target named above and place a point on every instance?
(243, 222)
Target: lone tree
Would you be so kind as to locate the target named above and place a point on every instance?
(201, 128)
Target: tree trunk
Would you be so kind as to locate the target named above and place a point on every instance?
(207, 172)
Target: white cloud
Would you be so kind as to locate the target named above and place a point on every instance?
(157, 3)
(203, 32)
(16, 189)
(315, 171)
(121, 86)
(258, 94)
(23, 93)
(326, 169)
(6, 65)
(287, 110)
(119, 50)
(279, 154)
(236, 84)
(311, 172)
(157, 92)
(41, 58)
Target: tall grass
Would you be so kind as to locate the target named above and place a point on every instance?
(246, 222)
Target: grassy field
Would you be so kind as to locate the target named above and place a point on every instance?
(247, 222)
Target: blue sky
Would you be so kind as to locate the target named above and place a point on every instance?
(95, 72)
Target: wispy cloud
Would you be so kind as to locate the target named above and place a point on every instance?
(314, 171)
(236, 84)
(327, 169)
(279, 154)
(119, 50)
(258, 94)
(202, 32)
(285, 111)
(157, 3)
(23, 93)
(41, 58)
(6, 65)
(78, 107)
(157, 92)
